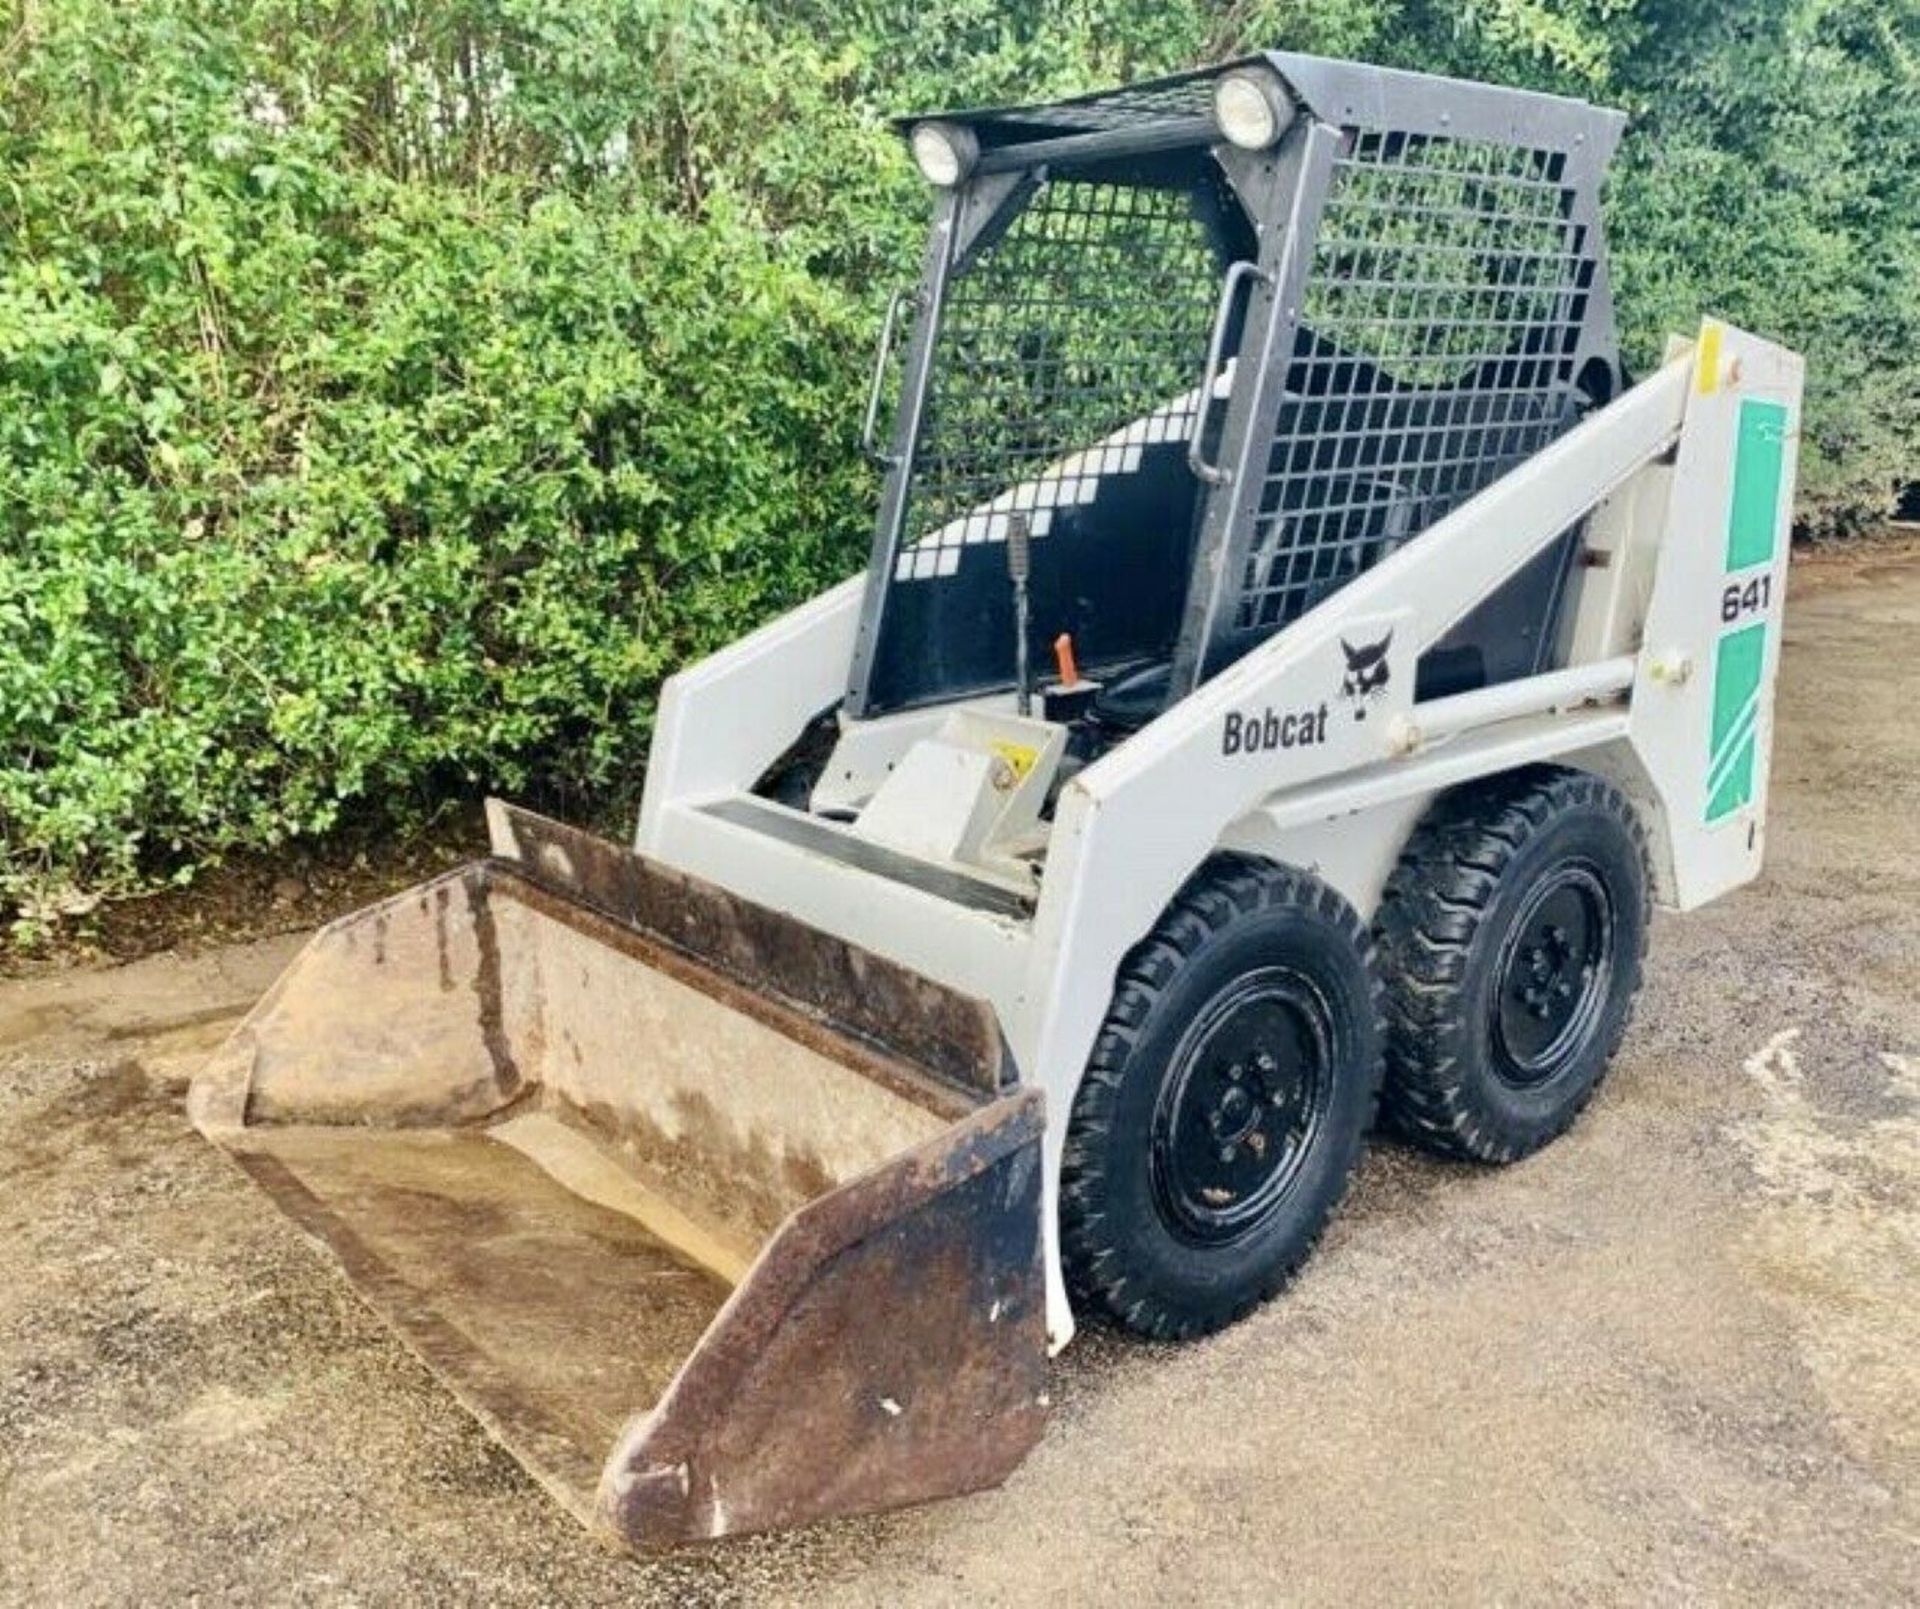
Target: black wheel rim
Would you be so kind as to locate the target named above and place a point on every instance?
(1554, 968)
(1244, 1098)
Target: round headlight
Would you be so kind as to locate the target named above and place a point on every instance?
(944, 152)
(1252, 109)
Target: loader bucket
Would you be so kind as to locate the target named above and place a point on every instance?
(716, 1222)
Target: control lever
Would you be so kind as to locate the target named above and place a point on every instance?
(1019, 566)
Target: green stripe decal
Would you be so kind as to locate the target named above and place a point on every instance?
(1724, 756)
(1736, 704)
(1759, 467)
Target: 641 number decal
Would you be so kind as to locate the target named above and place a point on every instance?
(1748, 598)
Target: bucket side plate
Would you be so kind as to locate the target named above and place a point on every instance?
(888, 1348)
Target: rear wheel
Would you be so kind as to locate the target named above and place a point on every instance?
(1225, 1102)
(1512, 935)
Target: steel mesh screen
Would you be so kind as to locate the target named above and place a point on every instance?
(1139, 106)
(1068, 347)
(1444, 302)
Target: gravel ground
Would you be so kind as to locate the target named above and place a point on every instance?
(1676, 1357)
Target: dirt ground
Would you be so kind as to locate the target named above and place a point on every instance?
(1677, 1357)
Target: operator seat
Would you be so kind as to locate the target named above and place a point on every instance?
(1132, 698)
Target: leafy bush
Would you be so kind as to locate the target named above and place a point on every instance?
(323, 483)
(390, 394)
(1774, 178)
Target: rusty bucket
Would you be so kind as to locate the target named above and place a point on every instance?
(716, 1222)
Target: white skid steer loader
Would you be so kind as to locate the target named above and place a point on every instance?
(1395, 654)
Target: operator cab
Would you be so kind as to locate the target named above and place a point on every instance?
(1184, 360)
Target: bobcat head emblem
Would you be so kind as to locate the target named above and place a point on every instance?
(1367, 673)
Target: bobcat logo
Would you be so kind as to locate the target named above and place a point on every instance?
(1367, 673)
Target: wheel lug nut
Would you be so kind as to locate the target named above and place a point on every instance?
(1236, 1072)
(1229, 1152)
(1266, 1063)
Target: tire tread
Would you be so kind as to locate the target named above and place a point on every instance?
(1432, 907)
(1228, 887)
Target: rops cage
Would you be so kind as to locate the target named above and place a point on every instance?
(1213, 346)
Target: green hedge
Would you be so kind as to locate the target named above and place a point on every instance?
(322, 480)
(392, 391)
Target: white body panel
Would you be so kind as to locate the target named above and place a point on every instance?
(725, 720)
(1277, 756)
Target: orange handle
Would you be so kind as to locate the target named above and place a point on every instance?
(1063, 659)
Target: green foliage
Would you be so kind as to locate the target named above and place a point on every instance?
(322, 482)
(1774, 179)
(392, 392)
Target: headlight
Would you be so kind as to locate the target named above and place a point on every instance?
(944, 152)
(1252, 109)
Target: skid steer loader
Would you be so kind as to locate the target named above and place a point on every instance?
(1291, 661)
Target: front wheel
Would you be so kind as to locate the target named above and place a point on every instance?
(1225, 1102)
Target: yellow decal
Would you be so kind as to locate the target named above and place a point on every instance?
(1017, 755)
(1706, 360)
